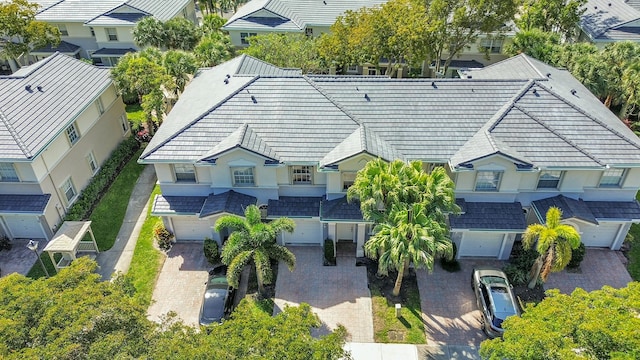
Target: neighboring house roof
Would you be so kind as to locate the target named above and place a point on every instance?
(611, 20)
(109, 12)
(294, 206)
(228, 202)
(28, 204)
(64, 47)
(39, 102)
(340, 210)
(252, 66)
(589, 211)
(111, 52)
(490, 216)
(530, 112)
(292, 15)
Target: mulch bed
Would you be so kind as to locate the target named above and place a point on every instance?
(527, 295)
(385, 284)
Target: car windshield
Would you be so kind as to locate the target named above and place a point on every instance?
(213, 306)
(217, 282)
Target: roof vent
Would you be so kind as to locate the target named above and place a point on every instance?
(366, 96)
(469, 76)
(253, 98)
(324, 2)
(28, 88)
(595, 8)
(573, 91)
(535, 92)
(609, 4)
(357, 89)
(39, 88)
(228, 76)
(433, 84)
(226, 81)
(548, 75)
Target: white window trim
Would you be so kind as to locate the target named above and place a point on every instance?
(91, 159)
(233, 176)
(560, 178)
(175, 174)
(292, 174)
(342, 179)
(124, 123)
(62, 189)
(15, 172)
(75, 131)
(64, 32)
(623, 177)
(115, 34)
(100, 106)
(497, 189)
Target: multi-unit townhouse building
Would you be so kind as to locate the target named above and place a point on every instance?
(103, 30)
(516, 137)
(60, 118)
(315, 17)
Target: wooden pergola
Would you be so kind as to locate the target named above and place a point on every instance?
(70, 242)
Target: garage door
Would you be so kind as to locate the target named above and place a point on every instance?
(480, 244)
(24, 226)
(599, 236)
(190, 228)
(307, 232)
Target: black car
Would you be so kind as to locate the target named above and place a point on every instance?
(218, 297)
(495, 299)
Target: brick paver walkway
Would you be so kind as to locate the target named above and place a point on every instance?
(181, 284)
(600, 267)
(338, 294)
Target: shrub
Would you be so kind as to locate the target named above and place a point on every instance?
(520, 263)
(92, 193)
(164, 237)
(577, 255)
(329, 253)
(5, 243)
(451, 265)
(211, 251)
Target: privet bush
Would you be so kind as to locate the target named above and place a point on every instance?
(81, 209)
(577, 255)
(329, 253)
(211, 251)
(164, 237)
(520, 263)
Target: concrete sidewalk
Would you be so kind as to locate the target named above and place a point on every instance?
(377, 351)
(118, 258)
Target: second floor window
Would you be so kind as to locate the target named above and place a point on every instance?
(302, 174)
(308, 32)
(8, 173)
(243, 176)
(124, 123)
(72, 134)
(488, 180)
(100, 106)
(112, 34)
(244, 37)
(348, 178)
(185, 173)
(549, 179)
(612, 178)
(63, 30)
(493, 46)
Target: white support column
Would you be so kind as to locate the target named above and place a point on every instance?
(360, 241)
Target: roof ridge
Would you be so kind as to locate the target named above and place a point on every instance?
(363, 137)
(14, 134)
(33, 68)
(510, 104)
(129, 5)
(601, 123)
(333, 101)
(585, 152)
(200, 117)
(528, 60)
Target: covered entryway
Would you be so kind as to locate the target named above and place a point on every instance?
(481, 244)
(24, 226)
(307, 232)
(191, 228)
(601, 235)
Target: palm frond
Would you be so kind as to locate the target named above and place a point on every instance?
(236, 266)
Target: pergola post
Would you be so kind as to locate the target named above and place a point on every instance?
(93, 239)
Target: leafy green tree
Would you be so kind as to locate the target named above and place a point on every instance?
(252, 239)
(409, 208)
(286, 50)
(212, 23)
(553, 242)
(181, 34)
(149, 32)
(631, 84)
(20, 32)
(602, 324)
(535, 43)
(213, 49)
(181, 66)
(557, 16)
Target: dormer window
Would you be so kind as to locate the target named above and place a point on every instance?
(348, 178)
(488, 180)
(243, 176)
(185, 173)
(549, 179)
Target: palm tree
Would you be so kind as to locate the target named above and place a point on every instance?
(181, 66)
(631, 85)
(412, 235)
(554, 242)
(253, 240)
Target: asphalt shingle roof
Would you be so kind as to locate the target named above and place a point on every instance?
(619, 210)
(63, 47)
(38, 102)
(112, 52)
(172, 205)
(228, 202)
(571, 208)
(610, 20)
(31, 204)
(340, 209)
(294, 206)
(490, 216)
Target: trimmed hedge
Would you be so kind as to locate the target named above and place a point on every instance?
(329, 253)
(211, 251)
(92, 193)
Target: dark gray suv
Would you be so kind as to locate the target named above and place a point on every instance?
(495, 299)
(218, 297)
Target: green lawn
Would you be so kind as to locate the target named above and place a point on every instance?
(107, 217)
(36, 271)
(135, 114)
(634, 252)
(147, 260)
(408, 329)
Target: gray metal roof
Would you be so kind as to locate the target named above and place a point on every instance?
(102, 12)
(76, 10)
(634, 4)
(228, 202)
(292, 15)
(340, 210)
(173, 205)
(294, 206)
(252, 66)
(490, 216)
(571, 208)
(37, 103)
(326, 119)
(23, 204)
(610, 20)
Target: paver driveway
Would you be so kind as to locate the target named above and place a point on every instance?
(181, 284)
(449, 304)
(338, 294)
